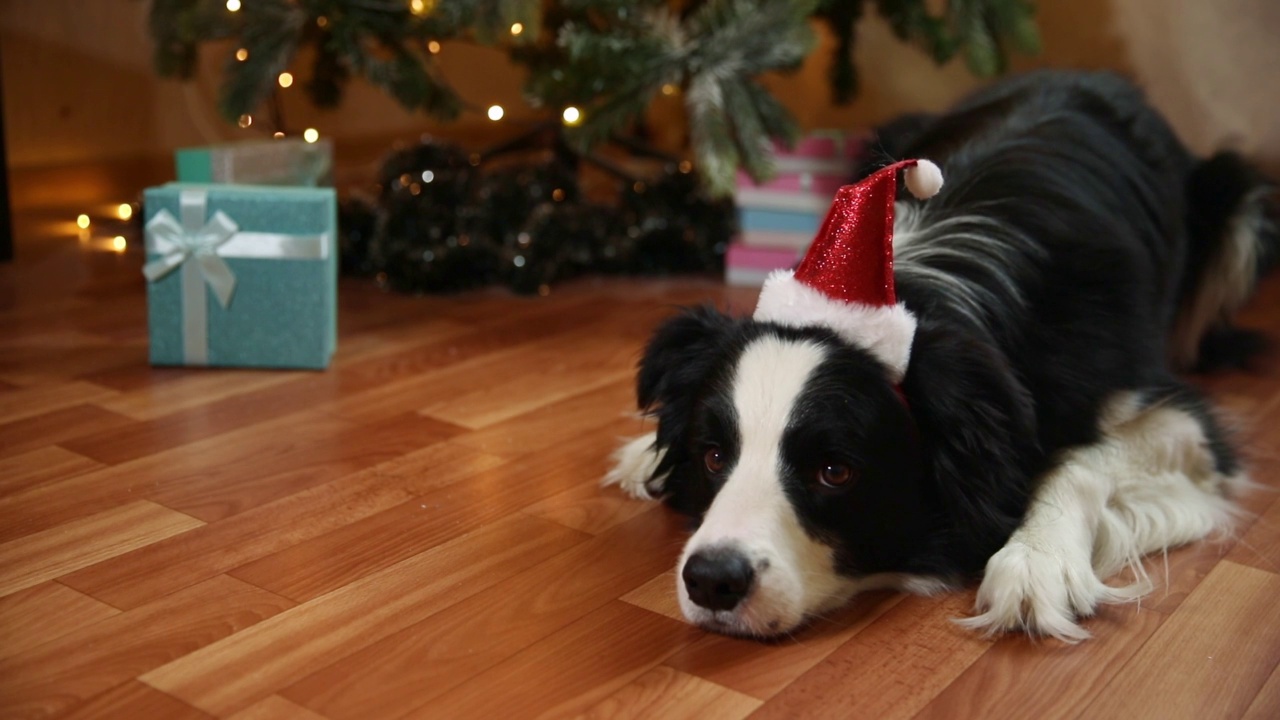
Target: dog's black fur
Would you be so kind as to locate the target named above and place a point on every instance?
(1100, 229)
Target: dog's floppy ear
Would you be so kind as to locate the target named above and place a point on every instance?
(977, 426)
(679, 356)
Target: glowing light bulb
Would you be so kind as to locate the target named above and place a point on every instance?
(517, 28)
(125, 211)
(233, 5)
(245, 121)
(496, 112)
(433, 47)
(82, 221)
(571, 115)
(311, 135)
(242, 54)
(285, 79)
(118, 243)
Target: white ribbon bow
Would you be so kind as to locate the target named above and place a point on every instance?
(176, 245)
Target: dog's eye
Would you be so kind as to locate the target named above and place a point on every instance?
(835, 475)
(713, 459)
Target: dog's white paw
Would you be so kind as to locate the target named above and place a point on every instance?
(1040, 592)
(633, 467)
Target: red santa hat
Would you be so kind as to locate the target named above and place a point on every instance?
(845, 281)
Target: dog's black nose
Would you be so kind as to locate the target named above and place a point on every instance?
(718, 579)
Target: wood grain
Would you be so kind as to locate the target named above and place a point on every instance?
(1209, 659)
(599, 653)
(57, 675)
(230, 675)
(34, 467)
(45, 612)
(135, 700)
(880, 674)
(671, 695)
(420, 531)
(45, 555)
(416, 665)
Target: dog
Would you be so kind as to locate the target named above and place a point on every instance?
(1036, 439)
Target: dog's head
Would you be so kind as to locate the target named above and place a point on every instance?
(810, 475)
(798, 457)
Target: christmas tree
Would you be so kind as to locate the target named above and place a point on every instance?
(605, 59)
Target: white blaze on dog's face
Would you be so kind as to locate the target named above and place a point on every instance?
(751, 541)
(797, 456)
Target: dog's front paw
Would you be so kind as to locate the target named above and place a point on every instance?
(1038, 591)
(633, 466)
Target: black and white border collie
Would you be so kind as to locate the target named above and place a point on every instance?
(1077, 257)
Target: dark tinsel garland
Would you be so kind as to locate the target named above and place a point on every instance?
(445, 220)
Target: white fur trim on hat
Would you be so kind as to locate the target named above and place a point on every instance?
(886, 331)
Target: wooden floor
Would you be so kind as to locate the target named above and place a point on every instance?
(419, 532)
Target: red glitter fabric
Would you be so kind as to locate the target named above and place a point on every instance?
(851, 259)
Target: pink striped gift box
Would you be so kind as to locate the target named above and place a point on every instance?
(748, 266)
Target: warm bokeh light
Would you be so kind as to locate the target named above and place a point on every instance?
(311, 135)
(517, 28)
(571, 115)
(245, 121)
(496, 112)
(277, 134)
(285, 79)
(668, 89)
(242, 54)
(433, 47)
(422, 7)
(119, 244)
(233, 5)
(82, 222)
(125, 211)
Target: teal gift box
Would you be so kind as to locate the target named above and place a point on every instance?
(241, 275)
(284, 161)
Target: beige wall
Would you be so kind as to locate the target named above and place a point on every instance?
(79, 87)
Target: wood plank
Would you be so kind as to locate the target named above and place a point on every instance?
(1023, 677)
(33, 401)
(216, 478)
(671, 695)
(422, 661)
(588, 507)
(1266, 705)
(45, 555)
(55, 676)
(135, 700)
(762, 670)
(149, 573)
(1259, 546)
(45, 612)
(56, 426)
(597, 656)
(45, 464)
(193, 387)
(658, 596)
(574, 416)
(1209, 659)
(274, 707)
(319, 565)
(343, 449)
(892, 669)
(230, 675)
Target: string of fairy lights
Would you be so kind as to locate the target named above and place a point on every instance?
(571, 116)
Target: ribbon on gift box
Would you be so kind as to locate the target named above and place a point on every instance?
(198, 246)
